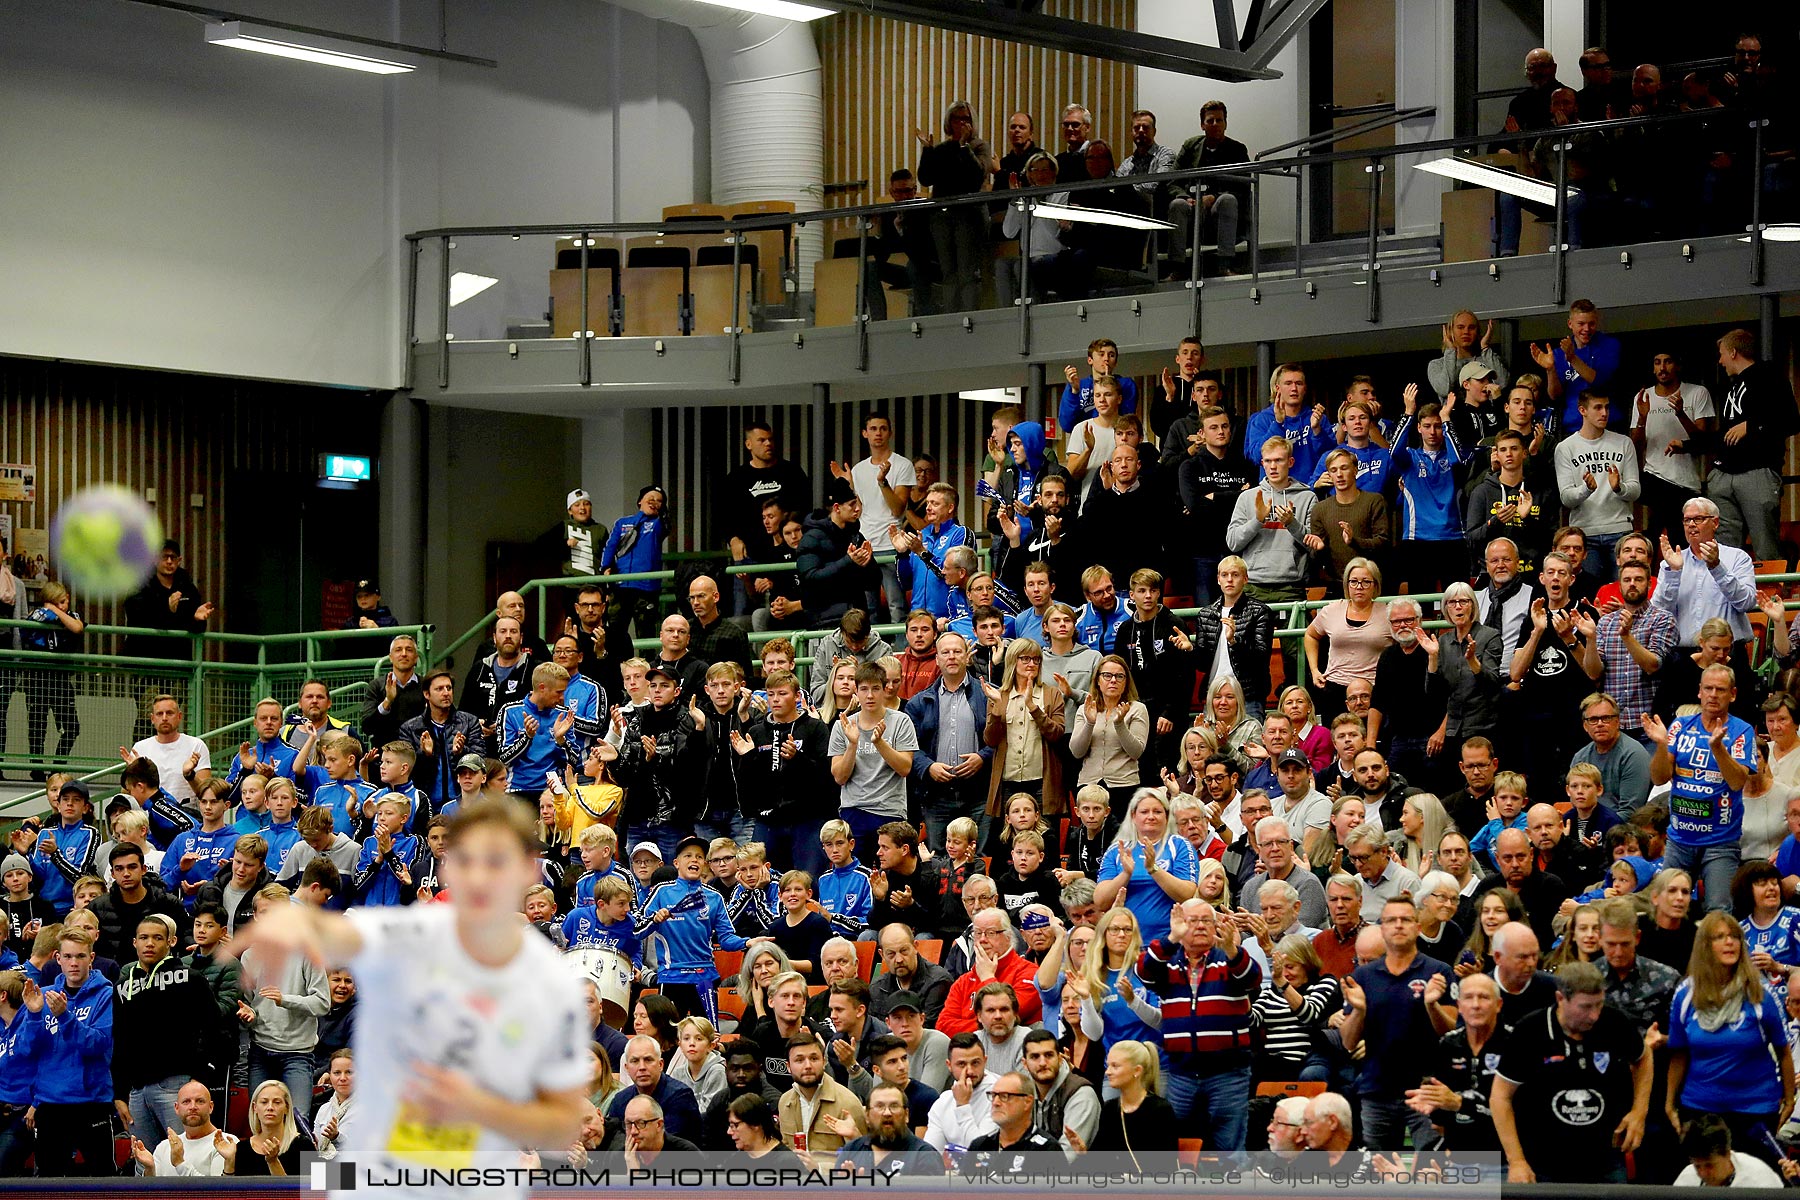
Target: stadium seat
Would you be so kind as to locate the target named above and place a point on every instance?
(865, 960)
(774, 246)
(731, 1003)
(694, 212)
(930, 949)
(709, 282)
(1283, 1088)
(1187, 1150)
(728, 962)
(653, 289)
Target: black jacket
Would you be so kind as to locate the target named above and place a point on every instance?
(483, 696)
(434, 773)
(657, 786)
(119, 918)
(718, 781)
(1209, 487)
(162, 1019)
(383, 727)
(788, 791)
(148, 608)
(1249, 650)
(1133, 526)
(214, 893)
(829, 581)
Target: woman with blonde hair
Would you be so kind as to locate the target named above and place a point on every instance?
(1312, 738)
(1235, 728)
(1325, 847)
(1115, 1004)
(1150, 865)
(1728, 1046)
(840, 694)
(1197, 745)
(275, 1143)
(1137, 1126)
(1024, 723)
(1215, 884)
(1581, 938)
(1355, 629)
(1293, 1013)
(1423, 823)
(1111, 729)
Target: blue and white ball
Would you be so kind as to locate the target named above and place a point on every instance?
(104, 542)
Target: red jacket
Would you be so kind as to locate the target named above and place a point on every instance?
(917, 672)
(959, 1008)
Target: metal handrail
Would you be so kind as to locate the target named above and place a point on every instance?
(1328, 136)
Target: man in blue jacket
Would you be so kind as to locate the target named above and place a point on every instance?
(1306, 431)
(636, 545)
(534, 734)
(74, 1082)
(268, 756)
(950, 767)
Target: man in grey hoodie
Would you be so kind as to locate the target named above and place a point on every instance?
(1268, 530)
(283, 1017)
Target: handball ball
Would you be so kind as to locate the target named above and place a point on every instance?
(104, 542)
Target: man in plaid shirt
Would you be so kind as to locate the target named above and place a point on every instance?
(1633, 638)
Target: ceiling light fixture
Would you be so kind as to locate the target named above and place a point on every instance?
(785, 9)
(1097, 216)
(994, 395)
(466, 285)
(242, 35)
(1510, 182)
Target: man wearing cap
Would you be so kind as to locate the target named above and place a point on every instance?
(835, 562)
(442, 736)
(1473, 417)
(370, 612)
(635, 547)
(578, 534)
(652, 766)
(905, 973)
(1299, 802)
(66, 850)
(927, 1050)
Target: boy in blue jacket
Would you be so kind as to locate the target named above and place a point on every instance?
(599, 849)
(605, 922)
(74, 1089)
(336, 786)
(534, 733)
(634, 547)
(143, 783)
(21, 1040)
(690, 918)
(195, 856)
(843, 888)
(66, 851)
(384, 869)
(395, 772)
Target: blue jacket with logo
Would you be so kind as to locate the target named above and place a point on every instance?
(277, 753)
(929, 591)
(530, 758)
(75, 1066)
(376, 882)
(1429, 508)
(697, 920)
(1095, 629)
(1308, 444)
(214, 851)
(845, 896)
(21, 1046)
(342, 797)
(634, 546)
(55, 871)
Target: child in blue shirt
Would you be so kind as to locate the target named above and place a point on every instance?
(843, 887)
(599, 850)
(251, 794)
(646, 861)
(384, 869)
(336, 786)
(143, 783)
(395, 772)
(605, 922)
(195, 856)
(66, 850)
(1509, 801)
(283, 833)
(690, 918)
(755, 901)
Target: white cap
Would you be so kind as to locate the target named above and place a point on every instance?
(576, 497)
(651, 847)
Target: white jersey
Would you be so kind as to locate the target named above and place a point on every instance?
(171, 757)
(517, 1030)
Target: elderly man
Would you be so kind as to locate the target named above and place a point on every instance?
(1208, 982)
(647, 1136)
(1328, 1127)
(1455, 1094)
(1016, 1140)
(1277, 915)
(1278, 736)
(1706, 578)
(818, 1113)
(1524, 990)
(837, 962)
(1539, 892)
(1287, 1123)
(1708, 758)
(979, 892)
(1241, 860)
(949, 773)
(1335, 943)
(902, 970)
(1410, 693)
(1505, 604)
(994, 960)
(679, 1114)
(1367, 852)
(1275, 847)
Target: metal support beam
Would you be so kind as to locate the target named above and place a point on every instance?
(1265, 373)
(1768, 308)
(1278, 30)
(820, 457)
(1226, 19)
(1036, 403)
(443, 346)
(1075, 37)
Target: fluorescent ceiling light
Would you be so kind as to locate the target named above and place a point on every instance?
(465, 285)
(1510, 182)
(1783, 232)
(241, 35)
(995, 395)
(1097, 216)
(785, 9)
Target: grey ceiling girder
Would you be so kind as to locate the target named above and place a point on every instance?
(1261, 45)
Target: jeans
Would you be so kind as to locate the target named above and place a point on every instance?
(1215, 1107)
(65, 1129)
(1710, 866)
(1407, 757)
(959, 235)
(666, 837)
(15, 1142)
(292, 1067)
(863, 825)
(1206, 581)
(1385, 1122)
(1599, 561)
(1222, 218)
(795, 847)
(894, 594)
(1509, 217)
(153, 1109)
(1749, 509)
(944, 803)
(735, 826)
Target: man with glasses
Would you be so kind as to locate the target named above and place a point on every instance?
(1366, 850)
(676, 1112)
(1077, 125)
(1241, 861)
(1016, 1144)
(1623, 763)
(1097, 624)
(1480, 763)
(994, 960)
(1286, 1141)
(1275, 846)
(646, 1135)
(890, 1148)
(1409, 696)
(1705, 578)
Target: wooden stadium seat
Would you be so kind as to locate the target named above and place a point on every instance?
(694, 212)
(1282, 1089)
(865, 960)
(930, 949)
(774, 245)
(710, 287)
(653, 289)
(834, 291)
(728, 962)
(603, 257)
